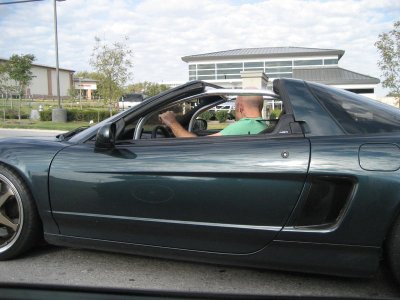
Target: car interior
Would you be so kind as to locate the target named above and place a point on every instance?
(198, 115)
(196, 110)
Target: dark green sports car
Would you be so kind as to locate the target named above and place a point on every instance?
(317, 191)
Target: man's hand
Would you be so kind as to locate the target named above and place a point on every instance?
(168, 118)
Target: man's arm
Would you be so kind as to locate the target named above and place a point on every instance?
(168, 118)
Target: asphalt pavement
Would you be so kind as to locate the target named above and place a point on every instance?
(28, 133)
(76, 267)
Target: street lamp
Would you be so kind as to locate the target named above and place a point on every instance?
(56, 45)
(58, 115)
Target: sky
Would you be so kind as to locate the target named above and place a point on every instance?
(160, 32)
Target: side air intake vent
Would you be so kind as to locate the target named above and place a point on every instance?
(326, 201)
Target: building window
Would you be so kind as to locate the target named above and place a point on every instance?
(192, 67)
(254, 69)
(205, 77)
(230, 66)
(227, 76)
(254, 65)
(311, 62)
(206, 72)
(229, 71)
(330, 61)
(286, 63)
(280, 75)
(278, 70)
(206, 67)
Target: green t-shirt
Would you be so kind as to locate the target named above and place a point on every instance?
(245, 126)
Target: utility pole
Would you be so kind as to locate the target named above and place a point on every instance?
(57, 62)
(59, 114)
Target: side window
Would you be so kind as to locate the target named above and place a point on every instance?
(151, 128)
(128, 131)
(217, 117)
(358, 114)
(223, 115)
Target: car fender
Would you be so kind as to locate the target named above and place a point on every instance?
(31, 159)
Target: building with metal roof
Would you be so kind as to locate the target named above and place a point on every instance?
(313, 64)
(44, 82)
(269, 52)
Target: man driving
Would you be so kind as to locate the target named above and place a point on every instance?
(247, 114)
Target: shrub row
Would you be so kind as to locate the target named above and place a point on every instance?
(13, 114)
(79, 115)
(221, 115)
(207, 115)
(275, 114)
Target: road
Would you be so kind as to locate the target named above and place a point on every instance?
(66, 266)
(27, 133)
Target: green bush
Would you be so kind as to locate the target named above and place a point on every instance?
(13, 114)
(79, 115)
(45, 115)
(222, 116)
(207, 115)
(275, 114)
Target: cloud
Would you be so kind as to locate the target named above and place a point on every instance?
(161, 32)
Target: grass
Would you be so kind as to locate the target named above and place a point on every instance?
(214, 125)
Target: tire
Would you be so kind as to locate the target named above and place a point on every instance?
(20, 226)
(393, 250)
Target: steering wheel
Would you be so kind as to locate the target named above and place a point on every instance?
(163, 131)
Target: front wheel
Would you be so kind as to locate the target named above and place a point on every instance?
(20, 226)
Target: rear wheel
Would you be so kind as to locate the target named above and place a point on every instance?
(393, 250)
(20, 226)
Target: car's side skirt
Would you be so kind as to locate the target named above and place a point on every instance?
(330, 259)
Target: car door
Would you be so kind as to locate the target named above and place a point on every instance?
(219, 194)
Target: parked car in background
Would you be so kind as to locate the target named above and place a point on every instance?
(130, 100)
(316, 192)
(228, 106)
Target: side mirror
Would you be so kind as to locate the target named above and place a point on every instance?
(105, 138)
(199, 124)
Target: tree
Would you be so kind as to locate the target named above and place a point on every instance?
(4, 86)
(388, 45)
(19, 69)
(3, 78)
(147, 88)
(7, 86)
(113, 63)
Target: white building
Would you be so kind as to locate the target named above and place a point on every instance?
(85, 87)
(44, 82)
(319, 65)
